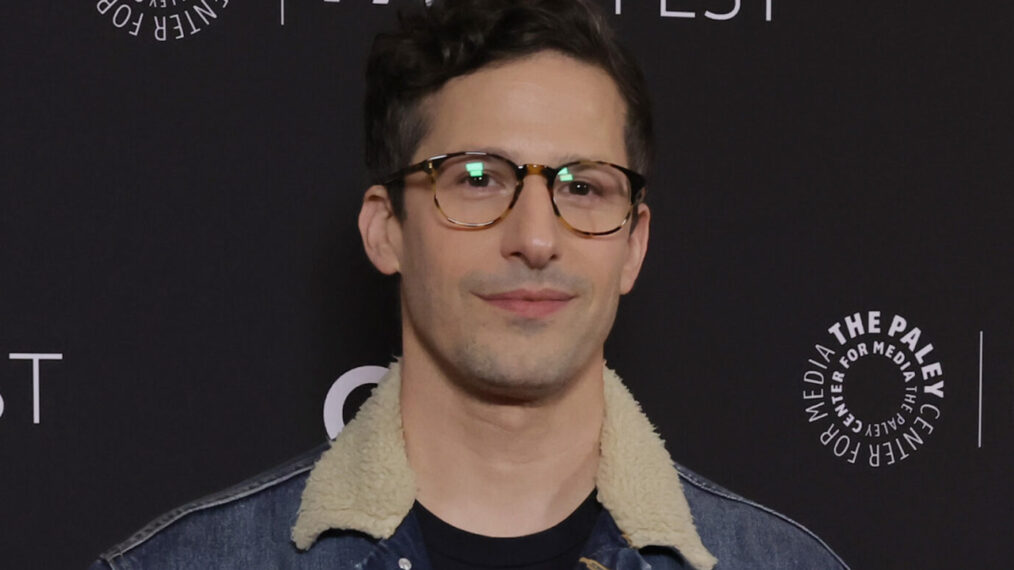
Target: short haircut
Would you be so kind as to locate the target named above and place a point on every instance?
(455, 37)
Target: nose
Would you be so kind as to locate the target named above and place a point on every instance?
(531, 231)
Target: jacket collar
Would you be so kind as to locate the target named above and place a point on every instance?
(364, 482)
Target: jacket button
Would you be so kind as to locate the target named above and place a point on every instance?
(404, 564)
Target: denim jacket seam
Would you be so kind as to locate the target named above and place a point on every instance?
(710, 487)
(266, 480)
(374, 552)
(121, 564)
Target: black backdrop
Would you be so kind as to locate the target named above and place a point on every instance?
(178, 225)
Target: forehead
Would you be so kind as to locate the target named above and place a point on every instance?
(543, 108)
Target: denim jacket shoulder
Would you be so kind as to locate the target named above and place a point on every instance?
(246, 526)
(742, 533)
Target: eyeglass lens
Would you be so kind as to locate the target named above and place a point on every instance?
(476, 189)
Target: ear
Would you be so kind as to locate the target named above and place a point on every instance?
(381, 230)
(637, 246)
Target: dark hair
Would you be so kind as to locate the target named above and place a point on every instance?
(456, 37)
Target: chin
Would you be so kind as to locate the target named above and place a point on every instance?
(502, 377)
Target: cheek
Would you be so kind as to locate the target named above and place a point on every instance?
(609, 274)
(431, 271)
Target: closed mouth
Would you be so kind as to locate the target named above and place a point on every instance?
(529, 303)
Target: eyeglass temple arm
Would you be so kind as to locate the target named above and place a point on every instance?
(398, 177)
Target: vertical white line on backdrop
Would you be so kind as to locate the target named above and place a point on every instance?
(282, 2)
(980, 389)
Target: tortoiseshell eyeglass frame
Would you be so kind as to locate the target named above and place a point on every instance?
(432, 164)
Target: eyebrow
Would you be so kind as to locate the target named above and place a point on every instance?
(565, 159)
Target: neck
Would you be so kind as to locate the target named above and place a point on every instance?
(498, 467)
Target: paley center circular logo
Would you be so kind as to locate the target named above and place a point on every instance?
(874, 388)
(336, 414)
(163, 20)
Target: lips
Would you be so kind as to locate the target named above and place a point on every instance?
(529, 303)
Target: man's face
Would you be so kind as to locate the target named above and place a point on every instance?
(523, 307)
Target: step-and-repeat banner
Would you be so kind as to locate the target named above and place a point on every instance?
(824, 324)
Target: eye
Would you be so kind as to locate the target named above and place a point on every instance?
(580, 188)
(578, 182)
(477, 180)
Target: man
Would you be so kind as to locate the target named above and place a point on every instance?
(506, 140)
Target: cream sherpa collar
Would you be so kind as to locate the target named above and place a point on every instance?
(364, 482)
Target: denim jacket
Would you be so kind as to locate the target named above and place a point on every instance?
(349, 506)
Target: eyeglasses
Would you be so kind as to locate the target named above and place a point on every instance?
(476, 190)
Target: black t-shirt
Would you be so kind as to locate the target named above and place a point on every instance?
(556, 548)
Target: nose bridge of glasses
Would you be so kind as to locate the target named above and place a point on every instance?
(547, 173)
